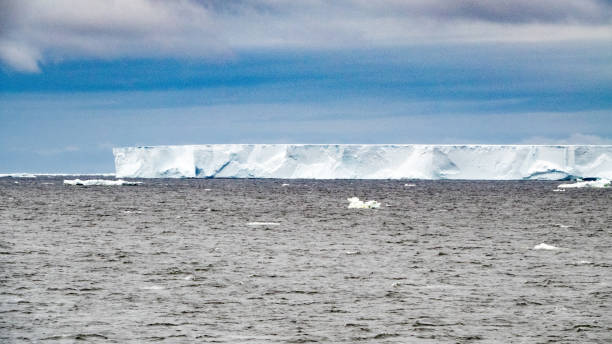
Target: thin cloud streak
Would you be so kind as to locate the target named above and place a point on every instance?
(38, 31)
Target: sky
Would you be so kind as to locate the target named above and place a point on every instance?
(79, 77)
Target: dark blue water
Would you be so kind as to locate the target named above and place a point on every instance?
(177, 261)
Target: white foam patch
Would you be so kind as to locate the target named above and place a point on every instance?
(544, 246)
(104, 182)
(356, 203)
(263, 224)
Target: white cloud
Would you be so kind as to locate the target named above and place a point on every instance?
(34, 31)
(573, 139)
(55, 151)
(20, 57)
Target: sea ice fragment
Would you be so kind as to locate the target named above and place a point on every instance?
(355, 202)
(544, 246)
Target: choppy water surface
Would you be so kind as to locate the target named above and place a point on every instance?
(254, 261)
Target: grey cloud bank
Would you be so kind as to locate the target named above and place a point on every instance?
(37, 31)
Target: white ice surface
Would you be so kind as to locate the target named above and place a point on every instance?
(490, 162)
(104, 182)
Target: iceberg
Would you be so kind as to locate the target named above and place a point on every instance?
(353, 161)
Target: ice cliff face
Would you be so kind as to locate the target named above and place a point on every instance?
(497, 162)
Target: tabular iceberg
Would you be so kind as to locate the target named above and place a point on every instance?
(328, 161)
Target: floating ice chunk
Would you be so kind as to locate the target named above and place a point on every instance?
(600, 183)
(544, 246)
(354, 202)
(285, 184)
(409, 185)
(263, 224)
(99, 182)
(153, 287)
(559, 190)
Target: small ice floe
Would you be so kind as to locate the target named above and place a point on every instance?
(284, 184)
(409, 185)
(584, 262)
(352, 253)
(153, 287)
(599, 183)
(207, 189)
(354, 202)
(104, 182)
(263, 224)
(188, 278)
(559, 190)
(544, 246)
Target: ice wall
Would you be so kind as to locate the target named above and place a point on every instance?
(494, 162)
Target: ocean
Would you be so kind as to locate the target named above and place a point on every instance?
(285, 261)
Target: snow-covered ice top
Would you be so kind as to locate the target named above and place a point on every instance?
(335, 161)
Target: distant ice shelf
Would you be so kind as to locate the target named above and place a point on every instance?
(335, 161)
